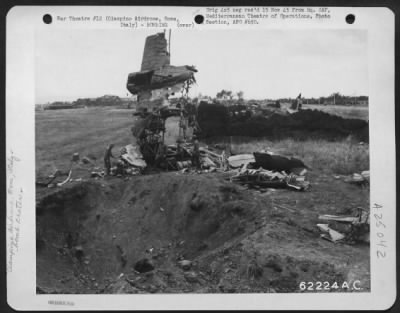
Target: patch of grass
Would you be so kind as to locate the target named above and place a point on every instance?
(341, 157)
(61, 133)
(360, 112)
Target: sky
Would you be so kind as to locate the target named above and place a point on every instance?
(264, 64)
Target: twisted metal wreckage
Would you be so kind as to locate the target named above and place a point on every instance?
(154, 85)
(157, 81)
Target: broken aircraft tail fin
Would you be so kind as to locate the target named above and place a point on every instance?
(155, 54)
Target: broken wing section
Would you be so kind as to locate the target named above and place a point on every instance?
(155, 54)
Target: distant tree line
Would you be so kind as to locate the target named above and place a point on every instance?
(101, 101)
(107, 100)
(334, 99)
(229, 97)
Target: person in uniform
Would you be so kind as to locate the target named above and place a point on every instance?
(296, 105)
(107, 159)
(179, 150)
(196, 153)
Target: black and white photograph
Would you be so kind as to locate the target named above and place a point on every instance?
(186, 160)
(254, 180)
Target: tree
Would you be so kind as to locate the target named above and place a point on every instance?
(337, 98)
(224, 93)
(240, 95)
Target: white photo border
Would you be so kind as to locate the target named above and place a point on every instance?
(24, 21)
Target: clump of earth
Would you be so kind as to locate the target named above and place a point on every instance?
(175, 233)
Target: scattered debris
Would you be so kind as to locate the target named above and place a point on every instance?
(270, 179)
(219, 160)
(75, 157)
(97, 174)
(332, 235)
(267, 170)
(353, 229)
(132, 155)
(361, 179)
(236, 161)
(278, 163)
(66, 180)
(182, 165)
(337, 218)
(207, 163)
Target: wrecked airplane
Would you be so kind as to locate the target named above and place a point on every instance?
(158, 79)
(153, 85)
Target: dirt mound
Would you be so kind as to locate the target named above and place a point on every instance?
(179, 233)
(91, 232)
(214, 120)
(302, 125)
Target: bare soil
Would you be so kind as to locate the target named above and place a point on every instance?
(90, 235)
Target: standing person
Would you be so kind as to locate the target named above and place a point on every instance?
(196, 153)
(107, 159)
(179, 150)
(296, 104)
(299, 102)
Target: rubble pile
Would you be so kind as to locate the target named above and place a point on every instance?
(267, 170)
(257, 170)
(270, 179)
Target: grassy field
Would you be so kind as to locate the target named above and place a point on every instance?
(342, 157)
(360, 112)
(61, 133)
